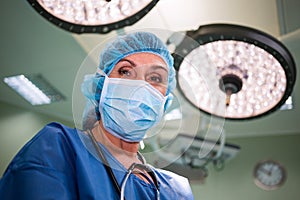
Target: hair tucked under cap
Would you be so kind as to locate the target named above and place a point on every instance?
(118, 49)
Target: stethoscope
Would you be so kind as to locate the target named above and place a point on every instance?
(130, 170)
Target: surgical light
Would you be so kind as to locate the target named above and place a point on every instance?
(35, 89)
(92, 16)
(256, 72)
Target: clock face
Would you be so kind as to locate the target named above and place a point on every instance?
(269, 175)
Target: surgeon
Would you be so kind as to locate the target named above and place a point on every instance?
(127, 96)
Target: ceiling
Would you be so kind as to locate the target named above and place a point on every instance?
(31, 45)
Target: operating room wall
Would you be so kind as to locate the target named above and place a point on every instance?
(234, 182)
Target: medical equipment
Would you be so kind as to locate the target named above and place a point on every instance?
(143, 166)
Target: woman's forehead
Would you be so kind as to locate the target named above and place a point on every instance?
(146, 58)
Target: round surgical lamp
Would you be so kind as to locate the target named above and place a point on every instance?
(90, 16)
(256, 72)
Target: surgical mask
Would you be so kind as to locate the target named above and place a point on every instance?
(129, 108)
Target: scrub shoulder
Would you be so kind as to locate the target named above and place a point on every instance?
(50, 144)
(43, 165)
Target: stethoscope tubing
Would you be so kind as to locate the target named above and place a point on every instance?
(143, 167)
(121, 190)
(104, 160)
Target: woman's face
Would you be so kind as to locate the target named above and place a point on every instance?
(143, 66)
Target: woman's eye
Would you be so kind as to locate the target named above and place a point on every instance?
(124, 72)
(156, 79)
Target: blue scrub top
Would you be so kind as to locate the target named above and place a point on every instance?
(58, 163)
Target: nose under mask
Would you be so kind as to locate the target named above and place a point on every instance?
(129, 108)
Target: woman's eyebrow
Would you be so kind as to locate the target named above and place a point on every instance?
(130, 61)
(154, 67)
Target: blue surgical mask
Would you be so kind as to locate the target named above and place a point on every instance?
(129, 108)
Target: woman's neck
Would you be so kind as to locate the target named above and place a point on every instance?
(115, 145)
(124, 152)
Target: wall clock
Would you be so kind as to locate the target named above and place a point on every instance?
(269, 174)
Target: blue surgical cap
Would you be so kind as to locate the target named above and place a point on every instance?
(136, 43)
(116, 50)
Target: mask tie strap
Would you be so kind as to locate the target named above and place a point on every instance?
(99, 72)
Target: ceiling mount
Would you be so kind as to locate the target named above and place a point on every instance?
(255, 70)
